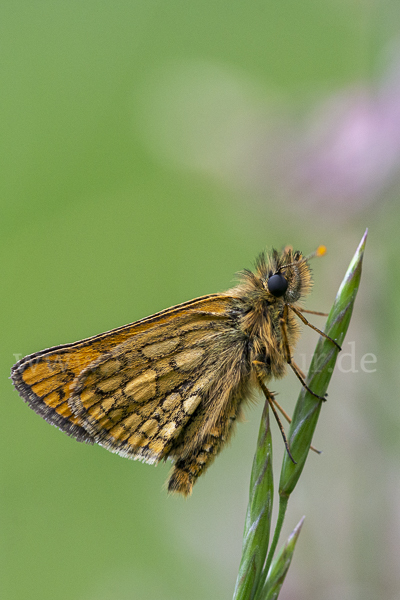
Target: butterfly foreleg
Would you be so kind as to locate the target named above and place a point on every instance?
(272, 402)
(288, 355)
(306, 322)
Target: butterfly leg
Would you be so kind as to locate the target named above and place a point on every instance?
(289, 420)
(272, 402)
(306, 322)
(289, 360)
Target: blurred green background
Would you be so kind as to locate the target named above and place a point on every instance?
(150, 150)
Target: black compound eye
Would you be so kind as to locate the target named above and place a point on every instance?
(277, 285)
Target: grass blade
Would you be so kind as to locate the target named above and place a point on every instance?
(280, 567)
(255, 582)
(258, 516)
(308, 407)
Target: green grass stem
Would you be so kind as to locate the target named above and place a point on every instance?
(257, 581)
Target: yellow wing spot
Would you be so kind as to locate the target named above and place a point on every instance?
(110, 367)
(64, 410)
(91, 379)
(107, 403)
(142, 388)
(97, 412)
(52, 399)
(119, 433)
(157, 446)
(171, 401)
(160, 348)
(138, 440)
(89, 397)
(103, 422)
(150, 427)
(168, 430)
(190, 405)
(189, 358)
(116, 415)
(132, 421)
(110, 384)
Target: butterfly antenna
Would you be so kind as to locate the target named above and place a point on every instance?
(320, 251)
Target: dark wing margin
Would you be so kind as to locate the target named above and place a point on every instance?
(51, 404)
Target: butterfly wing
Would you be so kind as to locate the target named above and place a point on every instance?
(46, 380)
(137, 398)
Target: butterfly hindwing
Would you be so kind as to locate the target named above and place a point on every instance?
(137, 399)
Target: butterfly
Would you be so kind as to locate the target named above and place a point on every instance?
(173, 385)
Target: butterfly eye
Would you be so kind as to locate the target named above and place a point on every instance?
(277, 285)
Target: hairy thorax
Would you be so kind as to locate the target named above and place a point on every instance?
(261, 323)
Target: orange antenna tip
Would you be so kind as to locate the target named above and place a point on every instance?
(320, 251)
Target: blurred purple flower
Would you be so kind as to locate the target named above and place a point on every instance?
(341, 156)
(352, 149)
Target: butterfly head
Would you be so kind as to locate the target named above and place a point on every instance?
(286, 274)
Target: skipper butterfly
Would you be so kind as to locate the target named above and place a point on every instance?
(173, 385)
